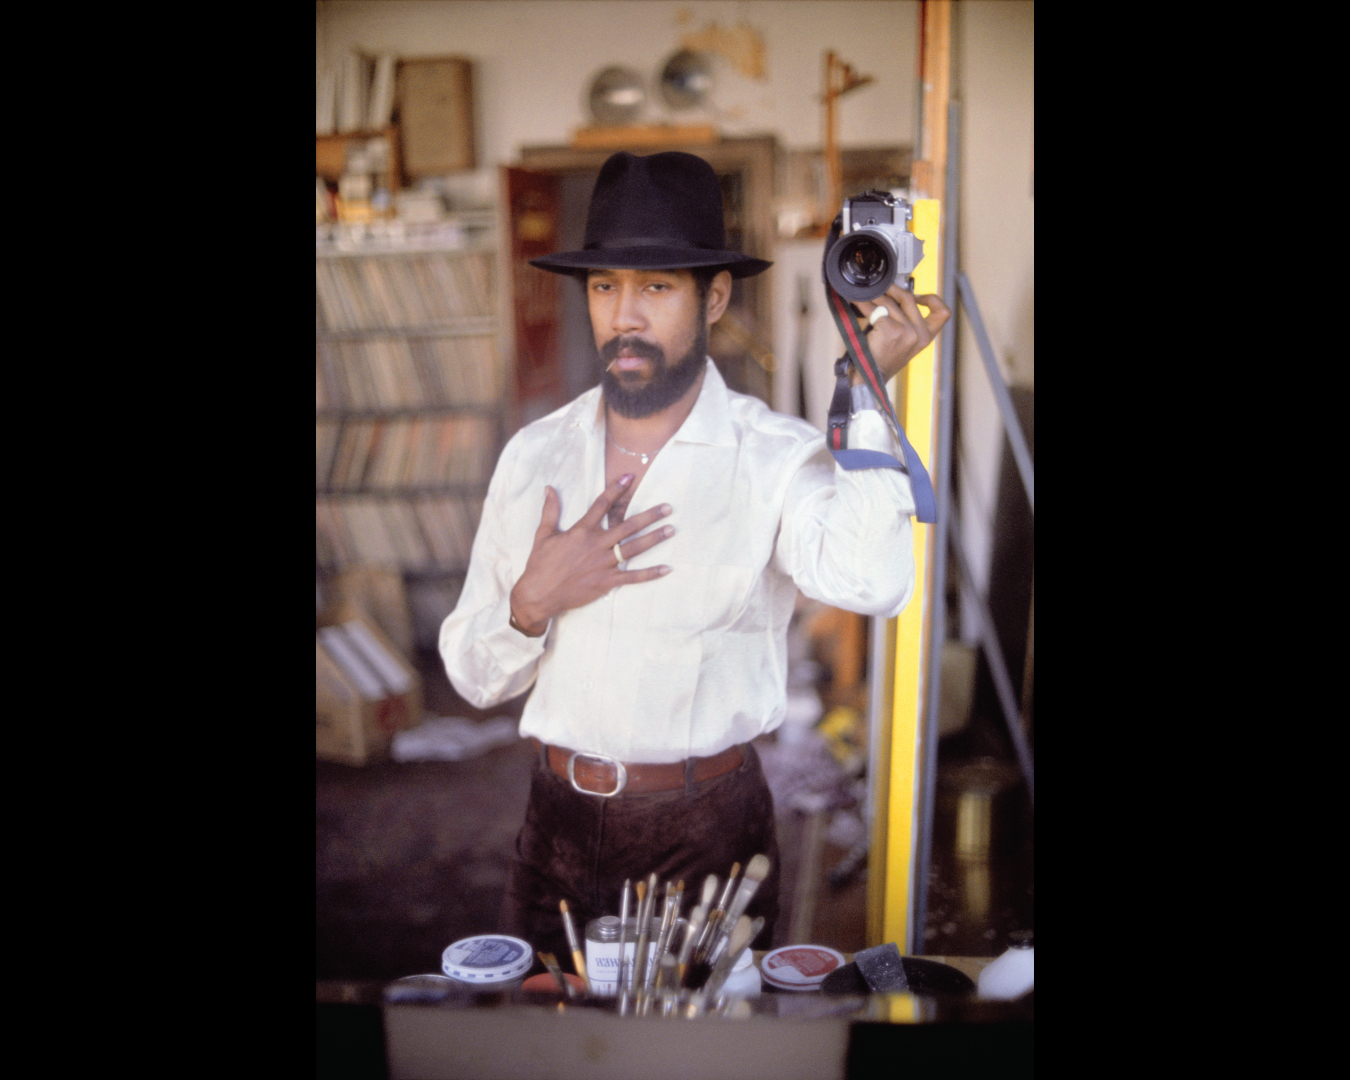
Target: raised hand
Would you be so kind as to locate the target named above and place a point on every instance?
(570, 569)
(899, 338)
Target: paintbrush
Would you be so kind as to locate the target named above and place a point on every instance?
(578, 957)
(654, 964)
(674, 895)
(645, 889)
(709, 891)
(705, 904)
(551, 962)
(649, 958)
(666, 981)
(675, 922)
(755, 873)
(623, 933)
(691, 933)
(710, 928)
(739, 938)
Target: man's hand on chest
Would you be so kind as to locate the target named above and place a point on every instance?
(570, 569)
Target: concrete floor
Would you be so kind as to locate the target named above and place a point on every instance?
(411, 857)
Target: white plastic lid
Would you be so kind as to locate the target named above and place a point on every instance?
(799, 967)
(492, 958)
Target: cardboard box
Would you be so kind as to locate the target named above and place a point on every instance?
(377, 594)
(364, 691)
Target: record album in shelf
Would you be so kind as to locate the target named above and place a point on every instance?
(409, 407)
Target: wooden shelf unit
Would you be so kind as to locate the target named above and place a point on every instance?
(410, 394)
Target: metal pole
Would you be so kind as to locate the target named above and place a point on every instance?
(1005, 404)
(876, 706)
(993, 652)
(942, 474)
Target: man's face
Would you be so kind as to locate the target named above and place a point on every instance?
(641, 320)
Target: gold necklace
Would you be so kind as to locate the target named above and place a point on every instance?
(631, 453)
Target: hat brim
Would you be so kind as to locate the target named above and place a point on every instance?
(651, 258)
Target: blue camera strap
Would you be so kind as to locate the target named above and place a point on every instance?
(841, 408)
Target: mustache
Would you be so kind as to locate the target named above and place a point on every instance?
(634, 346)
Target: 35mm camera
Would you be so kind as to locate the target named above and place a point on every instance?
(874, 250)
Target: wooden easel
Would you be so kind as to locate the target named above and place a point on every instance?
(840, 79)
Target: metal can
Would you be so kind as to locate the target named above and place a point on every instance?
(602, 951)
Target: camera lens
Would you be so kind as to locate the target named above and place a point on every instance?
(861, 265)
(864, 262)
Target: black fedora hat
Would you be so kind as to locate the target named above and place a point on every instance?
(662, 212)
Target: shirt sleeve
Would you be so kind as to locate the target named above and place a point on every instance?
(487, 659)
(846, 537)
(871, 442)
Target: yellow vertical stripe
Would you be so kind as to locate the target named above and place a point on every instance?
(916, 400)
(903, 1008)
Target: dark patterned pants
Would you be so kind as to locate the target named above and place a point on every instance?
(581, 848)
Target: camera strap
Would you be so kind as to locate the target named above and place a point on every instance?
(841, 408)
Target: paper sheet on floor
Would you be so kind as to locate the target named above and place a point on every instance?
(452, 738)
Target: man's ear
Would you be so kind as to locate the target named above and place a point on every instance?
(719, 295)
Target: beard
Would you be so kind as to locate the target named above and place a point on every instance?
(668, 382)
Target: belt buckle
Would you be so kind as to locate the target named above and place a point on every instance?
(621, 774)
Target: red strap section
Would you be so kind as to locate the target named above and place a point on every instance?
(855, 343)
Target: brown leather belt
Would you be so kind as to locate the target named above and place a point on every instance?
(596, 774)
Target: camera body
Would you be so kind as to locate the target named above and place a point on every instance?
(874, 250)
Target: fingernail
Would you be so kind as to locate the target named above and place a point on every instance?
(625, 479)
(669, 530)
(664, 570)
(665, 509)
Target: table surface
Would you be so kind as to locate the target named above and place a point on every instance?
(811, 1040)
(338, 991)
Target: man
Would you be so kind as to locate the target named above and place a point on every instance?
(639, 557)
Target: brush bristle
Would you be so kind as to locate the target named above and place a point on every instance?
(758, 869)
(739, 937)
(563, 904)
(709, 890)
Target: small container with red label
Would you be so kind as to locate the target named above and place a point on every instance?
(799, 967)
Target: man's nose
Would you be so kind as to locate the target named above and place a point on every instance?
(628, 316)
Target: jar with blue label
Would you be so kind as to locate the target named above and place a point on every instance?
(489, 962)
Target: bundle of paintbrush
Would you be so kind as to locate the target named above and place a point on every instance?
(686, 968)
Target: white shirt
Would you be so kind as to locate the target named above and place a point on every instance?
(696, 661)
